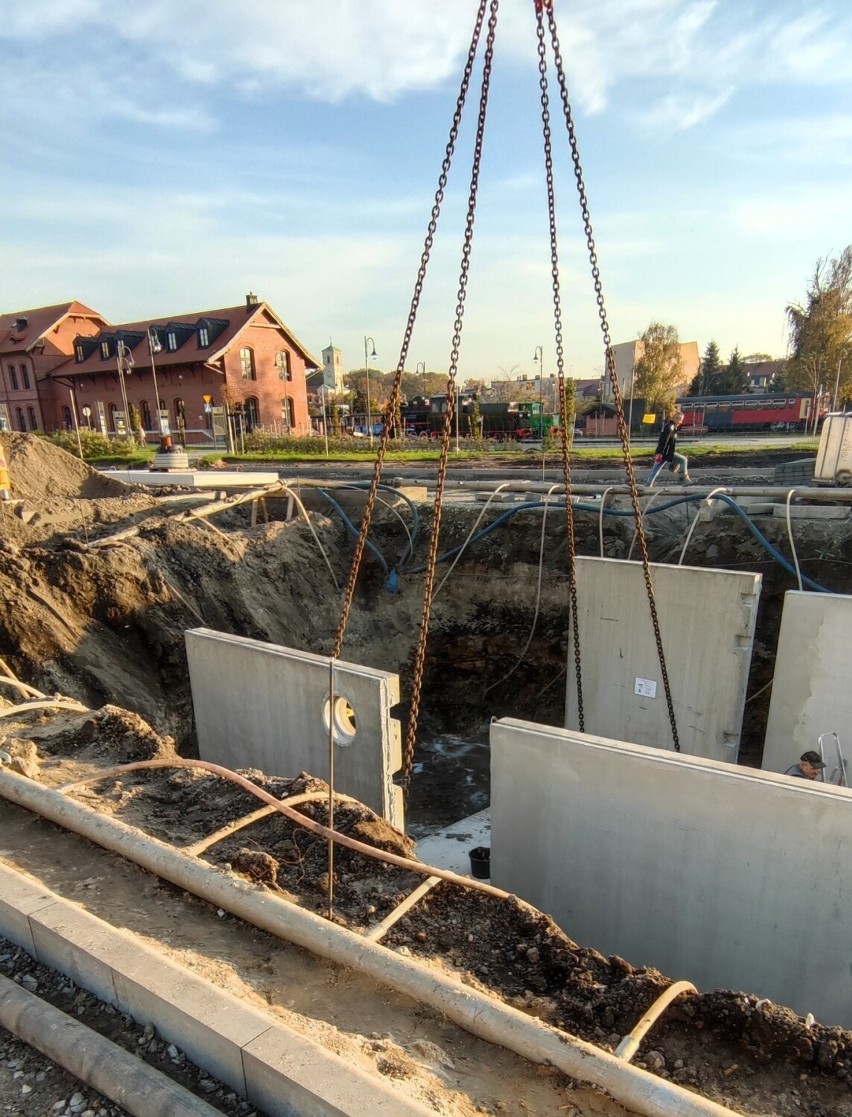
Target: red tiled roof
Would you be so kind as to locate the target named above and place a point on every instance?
(229, 320)
(38, 321)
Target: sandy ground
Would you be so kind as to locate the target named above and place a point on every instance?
(99, 582)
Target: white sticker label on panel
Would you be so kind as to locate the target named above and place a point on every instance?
(645, 687)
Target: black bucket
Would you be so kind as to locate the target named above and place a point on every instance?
(480, 862)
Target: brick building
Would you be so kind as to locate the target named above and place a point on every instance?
(33, 343)
(244, 357)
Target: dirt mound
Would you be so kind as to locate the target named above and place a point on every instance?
(111, 734)
(38, 469)
(56, 496)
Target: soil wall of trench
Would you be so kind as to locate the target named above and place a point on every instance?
(97, 614)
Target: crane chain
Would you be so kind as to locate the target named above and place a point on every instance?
(610, 356)
(431, 561)
(393, 402)
(560, 364)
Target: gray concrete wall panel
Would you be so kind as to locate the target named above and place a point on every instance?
(707, 620)
(812, 685)
(264, 706)
(727, 877)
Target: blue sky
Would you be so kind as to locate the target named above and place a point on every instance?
(169, 156)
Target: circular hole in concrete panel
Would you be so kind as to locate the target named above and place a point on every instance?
(344, 722)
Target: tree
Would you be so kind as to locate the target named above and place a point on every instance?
(778, 383)
(659, 371)
(707, 379)
(734, 378)
(821, 329)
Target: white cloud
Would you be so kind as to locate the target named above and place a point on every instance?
(383, 48)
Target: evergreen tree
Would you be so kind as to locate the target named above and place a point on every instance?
(734, 379)
(707, 379)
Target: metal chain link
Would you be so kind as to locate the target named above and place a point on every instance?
(610, 358)
(560, 365)
(431, 562)
(393, 402)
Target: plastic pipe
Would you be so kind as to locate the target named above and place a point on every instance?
(630, 1044)
(479, 1014)
(95, 1060)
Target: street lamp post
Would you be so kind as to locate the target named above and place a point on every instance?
(123, 360)
(322, 392)
(538, 358)
(155, 346)
(367, 375)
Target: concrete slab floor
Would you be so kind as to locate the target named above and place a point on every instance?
(450, 848)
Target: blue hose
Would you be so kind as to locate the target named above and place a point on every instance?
(529, 505)
(392, 583)
(415, 517)
(350, 527)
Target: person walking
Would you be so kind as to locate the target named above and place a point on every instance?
(666, 454)
(809, 766)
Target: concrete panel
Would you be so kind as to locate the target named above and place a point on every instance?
(78, 944)
(20, 897)
(209, 1024)
(194, 479)
(263, 706)
(707, 620)
(287, 1076)
(727, 877)
(241, 1045)
(811, 692)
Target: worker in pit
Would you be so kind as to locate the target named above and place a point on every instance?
(665, 453)
(809, 767)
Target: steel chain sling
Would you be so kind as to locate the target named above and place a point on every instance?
(547, 5)
(393, 402)
(560, 364)
(431, 562)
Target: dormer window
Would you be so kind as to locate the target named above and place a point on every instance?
(171, 340)
(104, 350)
(203, 337)
(79, 352)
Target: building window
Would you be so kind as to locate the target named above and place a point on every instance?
(112, 411)
(26, 376)
(13, 377)
(288, 413)
(146, 415)
(33, 420)
(171, 340)
(203, 337)
(19, 415)
(282, 363)
(247, 364)
(104, 350)
(79, 351)
(252, 413)
(66, 418)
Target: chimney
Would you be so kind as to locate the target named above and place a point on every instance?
(21, 325)
(251, 300)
